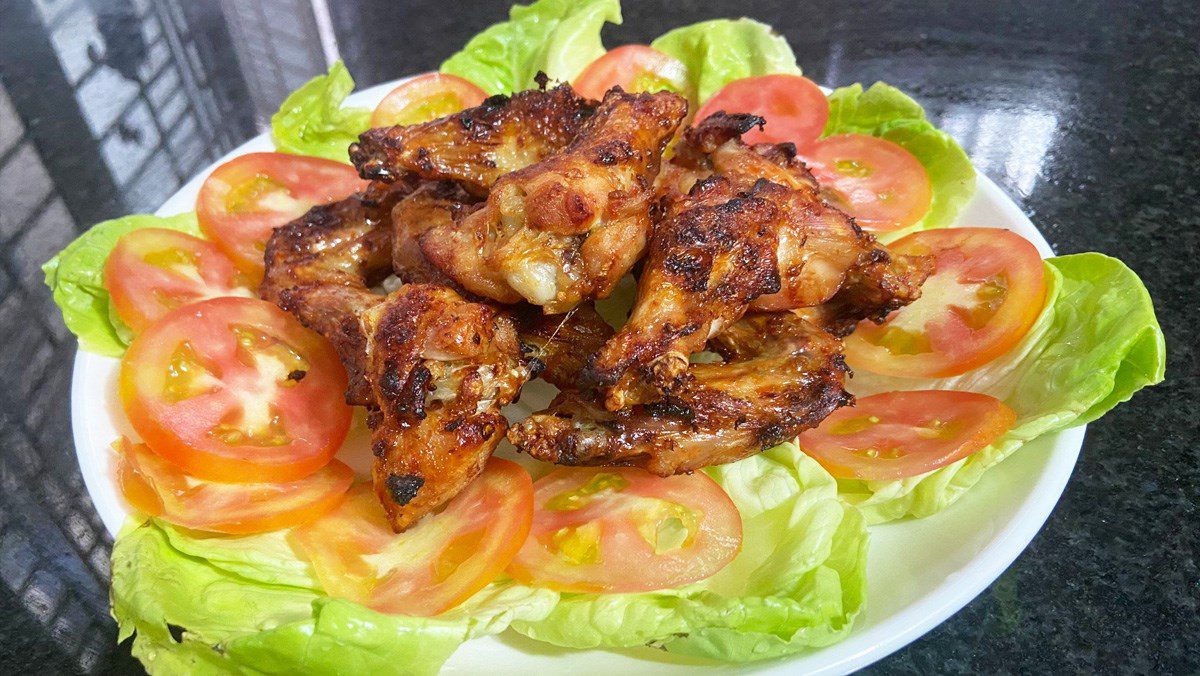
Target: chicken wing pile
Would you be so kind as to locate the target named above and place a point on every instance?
(502, 224)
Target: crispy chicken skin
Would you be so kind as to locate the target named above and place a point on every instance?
(782, 375)
(564, 230)
(478, 145)
(556, 347)
(709, 258)
(440, 369)
(432, 368)
(321, 266)
(821, 251)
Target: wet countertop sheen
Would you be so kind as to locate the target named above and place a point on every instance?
(1086, 113)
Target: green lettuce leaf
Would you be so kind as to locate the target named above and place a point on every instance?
(558, 37)
(798, 582)
(886, 112)
(312, 121)
(208, 604)
(720, 51)
(76, 280)
(1095, 344)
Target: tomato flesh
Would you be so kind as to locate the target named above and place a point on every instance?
(620, 529)
(424, 98)
(432, 567)
(882, 185)
(794, 107)
(154, 270)
(987, 289)
(156, 487)
(895, 435)
(246, 198)
(236, 390)
(634, 68)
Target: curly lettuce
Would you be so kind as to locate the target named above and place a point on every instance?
(199, 604)
(798, 583)
(76, 280)
(557, 37)
(312, 121)
(1095, 344)
(720, 51)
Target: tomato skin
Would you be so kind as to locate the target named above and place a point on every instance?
(794, 107)
(143, 291)
(594, 540)
(924, 429)
(426, 97)
(987, 290)
(156, 487)
(218, 378)
(882, 185)
(245, 199)
(633, 68)
(437, 564)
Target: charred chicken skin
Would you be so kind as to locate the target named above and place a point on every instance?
(781, 375)
(566, 229)
(479, 145)
(432, 368)
(503, 222)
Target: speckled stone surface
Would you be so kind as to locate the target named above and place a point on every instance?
(1086, 113)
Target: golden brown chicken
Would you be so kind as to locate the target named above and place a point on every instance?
(432, 368)
(564, 230)
(557, 347)
(321, 268)
(782, 375)
(440, 369)
(712, 255)
(478, 145)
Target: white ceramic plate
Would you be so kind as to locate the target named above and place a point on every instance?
(918, 572)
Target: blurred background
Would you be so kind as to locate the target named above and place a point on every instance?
(1087, 114)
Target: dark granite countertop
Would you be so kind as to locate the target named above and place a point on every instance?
(1086, 113)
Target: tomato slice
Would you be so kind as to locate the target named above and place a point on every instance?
(246, 198)
(987, 289)
(154, 270)
(426, 97)
(432, 567)
(876, 181)
(794, 107)
(156, 487)
(236, 390)
(621, 529)
(634, 68)
(901, 434)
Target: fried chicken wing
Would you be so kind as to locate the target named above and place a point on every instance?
(433, 204)
(478, 145)
(782, 375)
(321, 266)
(712, 255)
(564, 230)
(821, 251)
(440, 370)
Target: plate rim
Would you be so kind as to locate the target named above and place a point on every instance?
(857, 650)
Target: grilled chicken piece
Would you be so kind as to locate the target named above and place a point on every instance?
(822, 252)
(564, 230)
(433, 204)
(433, 369)
(712, 255)
(440, 370)
(782, 375)
(556, 347)
(321, 266)
(478, 145)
